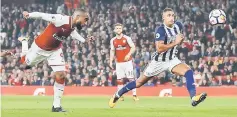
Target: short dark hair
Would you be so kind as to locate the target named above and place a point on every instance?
(80, 11)
(118, 24)
(167, 9)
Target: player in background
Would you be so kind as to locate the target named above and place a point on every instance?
(47, 46)
(122, 47)
(168, 36)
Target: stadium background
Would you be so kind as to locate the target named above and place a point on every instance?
(210, 50)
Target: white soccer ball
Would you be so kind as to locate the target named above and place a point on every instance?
(217, 16)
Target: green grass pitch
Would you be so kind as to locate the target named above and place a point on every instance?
(97, 106)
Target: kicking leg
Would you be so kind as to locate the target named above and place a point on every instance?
(184, 70)
(30, 57)
(24, 43)
(152, 69)
(24, 50)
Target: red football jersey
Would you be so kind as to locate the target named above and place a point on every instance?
(122, 47)
(56, 32)
(53, 36)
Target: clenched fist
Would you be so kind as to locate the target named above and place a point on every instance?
(25, 14)
(179, 39)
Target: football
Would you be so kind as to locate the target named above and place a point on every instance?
(217, 16)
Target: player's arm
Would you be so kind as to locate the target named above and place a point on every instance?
(54, 18)
(161, 38)
(132, 49)
(162, 47)
(77, 36)
(112, 54)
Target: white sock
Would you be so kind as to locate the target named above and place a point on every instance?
(134, 91)
(58, 92)
(24, 48)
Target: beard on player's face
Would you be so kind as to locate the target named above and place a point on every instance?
(80, 22)
(78, 25)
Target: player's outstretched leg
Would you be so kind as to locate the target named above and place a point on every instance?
(58, 91)
(130, 86)
(24, 43)
(184, 70)
(24, 50)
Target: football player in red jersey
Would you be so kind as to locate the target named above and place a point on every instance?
(122, 47)
(47, 46)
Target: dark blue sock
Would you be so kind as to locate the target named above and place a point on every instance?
(189, 83)
(126, 88)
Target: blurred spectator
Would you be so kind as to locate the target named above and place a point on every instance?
(194, 54)
(228, 81)
(149, 83)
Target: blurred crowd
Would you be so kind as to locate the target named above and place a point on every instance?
(211, 51)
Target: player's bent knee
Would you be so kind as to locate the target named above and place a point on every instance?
(180, 69)
(60, 74)
(60, 77)
(185, 69)
(60, 80)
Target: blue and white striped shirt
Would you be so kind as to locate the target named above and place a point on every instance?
(168, 35)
